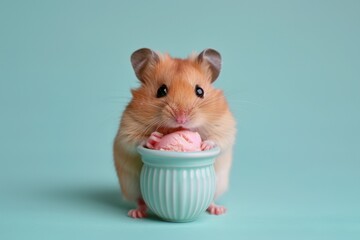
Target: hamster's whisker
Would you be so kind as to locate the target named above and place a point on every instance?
(116, 99)
(142, 102)
(244, 101)
(141, 132)
(160, 124)
(151, 124)
(171, 112)
(113, 116)
(209, 101)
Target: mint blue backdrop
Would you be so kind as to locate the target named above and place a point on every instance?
(291, 72)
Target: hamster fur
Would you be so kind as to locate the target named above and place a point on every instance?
(174, 94)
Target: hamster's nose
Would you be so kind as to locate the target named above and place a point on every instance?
(181, 117)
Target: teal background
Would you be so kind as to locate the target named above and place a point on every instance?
(291, 72)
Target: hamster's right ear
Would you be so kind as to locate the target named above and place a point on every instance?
(141, 60)
(213, 59)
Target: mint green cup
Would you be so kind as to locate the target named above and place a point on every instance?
(178, 186)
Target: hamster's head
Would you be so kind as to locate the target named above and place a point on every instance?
(176, 93)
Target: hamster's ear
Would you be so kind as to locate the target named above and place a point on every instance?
(141, 60)
(213, 59)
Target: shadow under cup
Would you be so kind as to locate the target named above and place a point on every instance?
(178, 186)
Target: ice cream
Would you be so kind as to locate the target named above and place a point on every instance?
(180, 141)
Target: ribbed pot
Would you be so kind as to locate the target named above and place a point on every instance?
(178, 186)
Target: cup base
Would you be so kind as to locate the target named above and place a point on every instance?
(179, 220)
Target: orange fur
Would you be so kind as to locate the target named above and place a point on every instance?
(210, 116)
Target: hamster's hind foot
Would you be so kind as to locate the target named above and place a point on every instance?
(140, 211)
(216, 209)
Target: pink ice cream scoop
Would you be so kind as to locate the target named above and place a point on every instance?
(180, 141)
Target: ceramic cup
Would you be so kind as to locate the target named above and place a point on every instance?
(178, 186)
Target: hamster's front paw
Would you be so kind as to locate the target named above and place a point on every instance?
(154, 138)
(207, 145)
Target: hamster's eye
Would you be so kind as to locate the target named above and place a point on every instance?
(162, 91)
(199, 91)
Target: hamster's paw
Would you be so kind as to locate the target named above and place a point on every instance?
(137, 213)
(140, 211)
(216, 209)
(207, 145)
(154, 138)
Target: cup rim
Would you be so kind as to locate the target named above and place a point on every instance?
(187, 159)
(196, 154)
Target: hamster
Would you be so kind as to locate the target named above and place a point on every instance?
(174, 94)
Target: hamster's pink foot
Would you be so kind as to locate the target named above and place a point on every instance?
(216, 209)
(207, 145)
(154, 138)
(137, 213)
(140, 211)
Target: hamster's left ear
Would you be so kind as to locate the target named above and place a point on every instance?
(213, 60)
(143, 59)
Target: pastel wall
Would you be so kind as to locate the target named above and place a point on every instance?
(291, 73)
